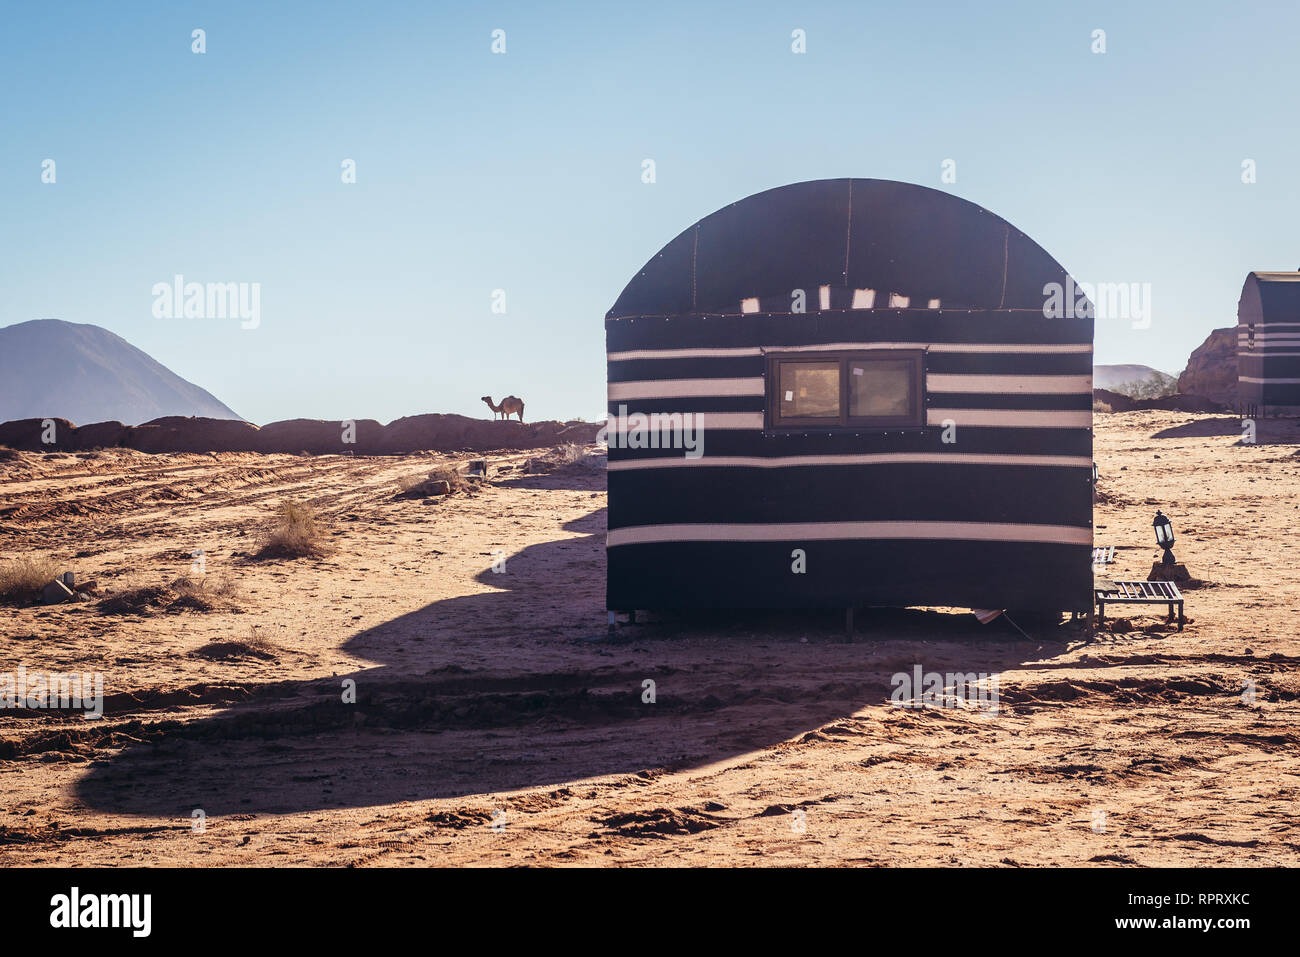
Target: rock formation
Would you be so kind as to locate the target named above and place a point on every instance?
(1212, 369)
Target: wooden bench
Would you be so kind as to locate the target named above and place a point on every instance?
(1138, 593)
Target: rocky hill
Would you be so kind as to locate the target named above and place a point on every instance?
(1212, 369)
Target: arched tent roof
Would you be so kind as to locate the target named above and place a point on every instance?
(847, 234)
(1269, 297)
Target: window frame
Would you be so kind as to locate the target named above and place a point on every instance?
(775, 422)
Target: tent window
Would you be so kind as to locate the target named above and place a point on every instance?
(845, 390)
(809, 390)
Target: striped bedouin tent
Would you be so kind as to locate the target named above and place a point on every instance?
(846, 393)
(1268, 344)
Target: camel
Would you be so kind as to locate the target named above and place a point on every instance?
(508, 407)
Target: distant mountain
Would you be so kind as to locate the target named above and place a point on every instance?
(51, 368)
(1108, 377)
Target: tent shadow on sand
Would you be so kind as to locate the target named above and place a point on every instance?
(1267, 431)
(450, 712)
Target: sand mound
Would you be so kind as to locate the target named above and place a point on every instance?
(176, 433)
(322, 437)
(660, 821)
(99, 435)
(171, 434)
(27, 435)
(457, 432)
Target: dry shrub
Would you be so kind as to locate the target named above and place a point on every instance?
(297, 533)
(22, 580)
(1099, 406)
(136, 601)
(569, 455)
(253, 646)
(203, 594)
(182, 594)
(412, 486)
(454, 479)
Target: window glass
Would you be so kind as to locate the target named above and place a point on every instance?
(810, 390)
(881, 387)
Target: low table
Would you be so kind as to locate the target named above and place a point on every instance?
(1138, 593)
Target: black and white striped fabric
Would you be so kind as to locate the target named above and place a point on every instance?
(1268, 342)
(986, 503)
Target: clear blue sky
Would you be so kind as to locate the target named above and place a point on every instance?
(523, 172)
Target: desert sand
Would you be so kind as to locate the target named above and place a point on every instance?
(497, 724)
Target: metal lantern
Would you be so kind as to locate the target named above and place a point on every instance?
(1164, 536)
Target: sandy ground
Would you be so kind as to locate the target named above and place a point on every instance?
(495, 724)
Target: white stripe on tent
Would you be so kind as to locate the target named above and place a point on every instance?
(1247, 378)
(701, 420)
(1265, 355)
(1014, 418)
(684, 388)
(1010, 384)
(828, 531)
(1010, 418)
(880, 458)
(741, 351)
(935, 382)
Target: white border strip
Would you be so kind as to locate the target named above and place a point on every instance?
(935, 382)
(684, 388)
(1014, 418)
(1010, 384)
(1247, 378)
(878, 458)
(826, 531)
(700, 420)
(1009, 418)
(740, 351)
